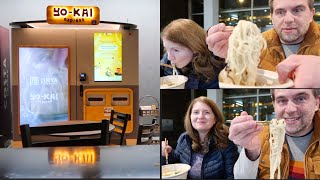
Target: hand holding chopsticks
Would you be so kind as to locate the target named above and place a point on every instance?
(244, 131)
(166, 150)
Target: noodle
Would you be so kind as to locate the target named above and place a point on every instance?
(167, 83)
(170, 173)
(174, 70)
(245, 44)
(277, 134)
(171, 82)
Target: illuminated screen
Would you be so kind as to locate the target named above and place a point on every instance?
(43, 85)
(108, 56)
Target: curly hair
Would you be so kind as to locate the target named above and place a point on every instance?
(189, 34)
(218, 132)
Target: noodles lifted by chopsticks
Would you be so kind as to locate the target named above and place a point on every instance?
(174, 70)
(172, 81)
(245, 44)
(277, 135)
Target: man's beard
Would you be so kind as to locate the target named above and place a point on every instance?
(290, 37)
(293, 37)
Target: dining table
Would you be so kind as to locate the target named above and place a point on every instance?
(82, 162)
(75, 135)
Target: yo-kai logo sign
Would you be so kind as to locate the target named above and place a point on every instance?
(77, 15)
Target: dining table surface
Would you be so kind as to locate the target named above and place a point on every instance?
(75, 135)
(83, 162)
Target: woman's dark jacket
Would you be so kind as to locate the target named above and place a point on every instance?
(216, 164)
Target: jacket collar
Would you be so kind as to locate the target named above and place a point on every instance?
(311, 35)
(316, 127)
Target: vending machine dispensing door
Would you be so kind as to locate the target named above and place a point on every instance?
(98, 104)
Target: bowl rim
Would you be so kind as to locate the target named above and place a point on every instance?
(170, 87)
(274, 75)
(189, 167)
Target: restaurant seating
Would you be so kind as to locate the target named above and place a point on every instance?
(146, 132)
(120, 121)
(28, 133)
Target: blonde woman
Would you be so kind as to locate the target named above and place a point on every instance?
(205, 145)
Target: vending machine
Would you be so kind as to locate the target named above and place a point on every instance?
(56, 68)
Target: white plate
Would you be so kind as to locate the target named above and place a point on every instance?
(268, 78)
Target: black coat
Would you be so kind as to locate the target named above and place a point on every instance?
(217, 164)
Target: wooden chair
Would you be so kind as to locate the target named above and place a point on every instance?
(146, 132)
(120, 121)
(28, 132)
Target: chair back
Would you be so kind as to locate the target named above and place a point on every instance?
(145, 133)
(120, 121)
(28, 132)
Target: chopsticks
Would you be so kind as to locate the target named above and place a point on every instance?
(166, 150)
(167, 65)
(229, 29)
(175, 71)
(263, 122)
(258, 122)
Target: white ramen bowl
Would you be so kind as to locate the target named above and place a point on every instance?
(173, 82)
(268, 79)
(176, 171)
